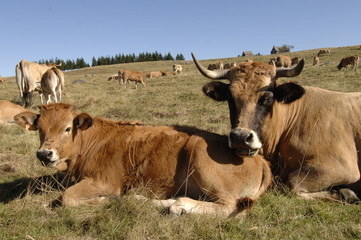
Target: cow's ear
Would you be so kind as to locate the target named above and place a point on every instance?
(289, 92)
(216, 90)
(83, 121)
(27, 120)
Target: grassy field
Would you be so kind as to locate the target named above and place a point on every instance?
(27, 188)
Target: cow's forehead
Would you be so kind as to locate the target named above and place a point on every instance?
(251, 76)
(56, 115)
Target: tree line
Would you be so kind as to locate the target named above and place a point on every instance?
(108, 60)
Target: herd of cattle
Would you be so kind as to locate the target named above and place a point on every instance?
(126, 76)
(309, 137)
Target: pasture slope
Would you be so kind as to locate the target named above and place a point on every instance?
(27, 188)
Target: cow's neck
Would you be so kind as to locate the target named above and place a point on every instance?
(277, 126)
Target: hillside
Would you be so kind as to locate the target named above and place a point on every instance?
(24, 211)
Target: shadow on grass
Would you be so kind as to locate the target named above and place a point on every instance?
(26, 186)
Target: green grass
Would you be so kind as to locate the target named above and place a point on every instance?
(27, 188)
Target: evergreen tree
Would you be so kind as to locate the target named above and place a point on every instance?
(94, 62)
(168, 56)
(179, 57)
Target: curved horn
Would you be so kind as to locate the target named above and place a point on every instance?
(218, 74)
(291, 72)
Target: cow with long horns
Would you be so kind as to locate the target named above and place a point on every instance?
(311, 136)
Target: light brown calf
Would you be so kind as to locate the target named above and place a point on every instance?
(108, 158)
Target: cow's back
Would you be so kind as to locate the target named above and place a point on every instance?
(8, 110)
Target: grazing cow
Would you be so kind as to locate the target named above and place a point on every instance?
(214, 66)
(229, 65)
(323, 51)
(113, 77)
(295, 60)
(177, 68)
(8, 110)
(108, 158)
(316, 60)
(27, 75)
(52, 84)
(125, 76)
(351, 60)
(311, 136)
(283, 61)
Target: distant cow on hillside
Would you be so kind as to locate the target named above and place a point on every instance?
(323, 51)
(316, 60)
(214, 66)
(125, 76)
(283, 61)
(351, 60)
(177, 68)
(229, 65)
(113, 77)
(295, 60)
(156, 74)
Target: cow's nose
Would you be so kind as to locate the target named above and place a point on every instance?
(244, 138)
(44, 155)
(240, 138)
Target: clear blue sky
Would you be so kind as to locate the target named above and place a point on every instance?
(70, 29)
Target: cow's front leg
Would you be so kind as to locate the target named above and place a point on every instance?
(87, 192)
(315, 183)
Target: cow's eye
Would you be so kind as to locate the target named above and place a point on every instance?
(68, 129)
(267, 99)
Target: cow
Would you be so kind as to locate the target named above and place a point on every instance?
(177, 68)
(27, 75)
(2, 80)
(229, 65)
(272, 61)
(323, 51)
(295, 60)
(52, 85)
(113, 77)
(8, 110)
(316, 60)
(213, 66)
(156, 74)
(107, 158)
(166, 74)
(283, 61)
(125, 76)
(351, 60)
(311, 136)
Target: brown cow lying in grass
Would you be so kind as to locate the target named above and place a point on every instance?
(8, 110)
(107, 158)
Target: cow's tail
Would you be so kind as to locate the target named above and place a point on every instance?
(25, 77)
(19, 78)
(61, 78)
